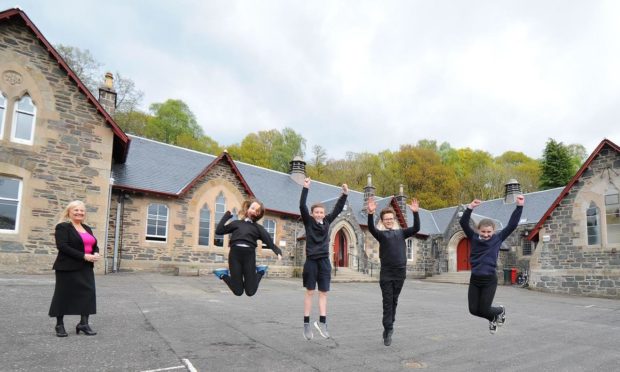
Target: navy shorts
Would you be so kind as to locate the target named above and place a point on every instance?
(317, 271)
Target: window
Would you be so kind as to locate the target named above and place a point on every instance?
(526, 247)
(10, 195)
(593, 218)
(220, 209)
(409, 249)
(2, 114)
(23, 121)
(612, 216)
(270, 226)
(235, 214)
(157, 222)
(204, 228)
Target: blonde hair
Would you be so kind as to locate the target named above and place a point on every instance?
(65, 213)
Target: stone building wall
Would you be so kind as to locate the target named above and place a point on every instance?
(563, 261)
(70, 157)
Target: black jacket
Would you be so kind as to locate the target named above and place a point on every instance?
(317, 234)
(71, 248)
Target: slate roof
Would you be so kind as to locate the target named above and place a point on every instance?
(164, 169)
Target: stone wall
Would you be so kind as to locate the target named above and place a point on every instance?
(70, 157)
(563, 261)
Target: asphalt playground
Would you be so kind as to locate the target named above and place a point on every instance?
(156, 322)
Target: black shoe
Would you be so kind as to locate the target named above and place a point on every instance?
(60, 331)
(84, 328)
(387, 337)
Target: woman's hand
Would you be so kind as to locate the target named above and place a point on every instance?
(91, 257)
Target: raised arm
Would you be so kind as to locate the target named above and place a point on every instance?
(62, 242)
(464, 221)
(372, 206)
(414, 207)
(222, 228)
(514, 219)
(339, 204)
(303, 208)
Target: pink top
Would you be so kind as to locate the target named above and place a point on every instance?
(89, 242)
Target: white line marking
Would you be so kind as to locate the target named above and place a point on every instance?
(164, 369)
(189, 365)
(589, 306)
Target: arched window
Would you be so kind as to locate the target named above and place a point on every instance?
(270, 227)
(612, 215)
(2, 113)
(205, 225)
(235, 214)
(157, 222)
(220, 209)
(23, 121)
(593, 218)
(10, 198)
(409, 249)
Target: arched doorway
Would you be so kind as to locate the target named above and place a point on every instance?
(341, 254)
(463, 249)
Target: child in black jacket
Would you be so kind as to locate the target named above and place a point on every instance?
(317, 268)
(393, 256)
(243, 273)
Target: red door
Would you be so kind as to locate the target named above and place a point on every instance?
(463, 250)
(341, 256)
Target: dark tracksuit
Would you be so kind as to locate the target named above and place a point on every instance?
(242, 255)
(317, 267)
(483, 259)
(393, 256)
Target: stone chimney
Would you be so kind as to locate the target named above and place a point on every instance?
(298, 170)
(513, 188)
(401, 199)
(369, 190)
(107, 94)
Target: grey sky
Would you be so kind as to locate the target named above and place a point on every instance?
(365, 75)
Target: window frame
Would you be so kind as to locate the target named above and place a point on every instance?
(597, 226)
(272, 234)
(4, 113)
(20, 184)
(208, 225)
(410, 247)
(616, 204)
(16, 115)
(219, 238)
(152, 237)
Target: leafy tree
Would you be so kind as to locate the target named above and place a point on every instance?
(270, 149)
(578, 155)
(174, 123)
(316, 166)
(556, 165)
(133, 122)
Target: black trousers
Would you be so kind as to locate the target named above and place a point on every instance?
(480, 296)
(390, 290)
(243, 275)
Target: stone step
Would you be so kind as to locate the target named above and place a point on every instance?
(347, 275)
(461, 277)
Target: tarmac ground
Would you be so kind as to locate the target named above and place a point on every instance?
(156, 322)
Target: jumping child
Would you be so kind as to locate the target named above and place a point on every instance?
(485, 246)
(243, 274)
(317, 269)
(393, 257)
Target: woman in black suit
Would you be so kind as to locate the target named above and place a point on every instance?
(74, 293)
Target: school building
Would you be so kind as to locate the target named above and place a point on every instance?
(154, 207)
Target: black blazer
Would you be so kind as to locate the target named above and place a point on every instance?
(71, 248)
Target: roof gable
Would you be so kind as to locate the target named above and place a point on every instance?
(121, 141)
(604, 143)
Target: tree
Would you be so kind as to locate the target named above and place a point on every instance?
(170, 120)
(556, 165)
(578, 155)
(270, 149)
(316, 166)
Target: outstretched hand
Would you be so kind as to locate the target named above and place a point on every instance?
(520, 200)
(474, 203)
(345, 189)
(414, 206)
(279, 257)
(372, 205)
(307, 182)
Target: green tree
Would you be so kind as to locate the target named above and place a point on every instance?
(578, 155)
(556, 165)
(270, 149)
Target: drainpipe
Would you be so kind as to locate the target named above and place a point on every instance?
(107, 228)
(117, 231)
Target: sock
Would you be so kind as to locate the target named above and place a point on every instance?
(84, 319)
(60, 320)
(306, 319)
(323, 318)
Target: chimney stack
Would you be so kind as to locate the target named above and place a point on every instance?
(401, 199)
(107, 94)
(369, 190)
(513, 188)
(298, 170)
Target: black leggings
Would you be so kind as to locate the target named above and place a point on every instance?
(243, 275)
(390, 289)
(480, 296)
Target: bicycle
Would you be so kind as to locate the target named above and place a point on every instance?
(523, 279)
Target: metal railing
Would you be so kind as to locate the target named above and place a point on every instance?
(362, 265)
